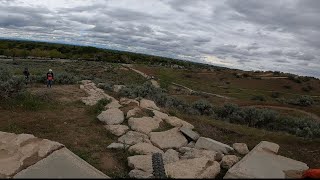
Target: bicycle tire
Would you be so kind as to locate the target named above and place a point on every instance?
(158, 166)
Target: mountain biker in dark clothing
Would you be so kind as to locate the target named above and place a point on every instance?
(49, 78)
(26, 74)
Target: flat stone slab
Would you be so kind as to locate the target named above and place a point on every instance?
(117, 130)
(210, 144)
(144, 149)
(189, 133)
(111, 116)
(263, 162)
(144, 125)
(177, 122)
(168, 139)
(61, 164)
(145, 104)
(133, 137)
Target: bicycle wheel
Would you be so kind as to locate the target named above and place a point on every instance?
(158, 166)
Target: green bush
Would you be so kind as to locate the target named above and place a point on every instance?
(203, 106)
(99, 107)
(302, 101)
(65, 78)
(10, 86)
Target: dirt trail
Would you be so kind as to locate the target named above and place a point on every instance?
(314, 116)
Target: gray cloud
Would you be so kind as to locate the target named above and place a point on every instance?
(265, 35)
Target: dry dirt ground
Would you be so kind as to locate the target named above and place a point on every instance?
(69, 122)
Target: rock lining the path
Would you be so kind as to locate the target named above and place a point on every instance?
(111, 116)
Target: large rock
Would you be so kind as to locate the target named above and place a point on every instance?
(20, 151)
(138, 174)
(228, 161)
(263, 162)
(170, 156)
(141, 162)
(241, 148)
(160, 115)
(117, 130)
(133, 112)
(111, 116)
(117, 88)
(174, 121)
(189, 133)
(168, 139)
(95, 94)
(144, 124)
(193, 168)
(210, 144)
(148, 104)
(113, 104)
(197, 153)
(133, 137)
(144, 148)
(126, 101)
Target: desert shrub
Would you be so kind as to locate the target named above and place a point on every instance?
(302, 101)
(10, 86)
(65, 78)
(258, 98)
(106, 86)
(204, 107)
(275, 94)
(99, 107)
(226, 110)
(307, 88)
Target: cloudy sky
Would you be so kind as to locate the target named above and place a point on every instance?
(246, 34)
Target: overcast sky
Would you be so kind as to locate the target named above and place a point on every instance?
(246, 34)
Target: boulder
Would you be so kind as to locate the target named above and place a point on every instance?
(46, 147)
(144, 148)
(189, 133)
(174, 121)
(145, 103)
(192, 168)
(118, 146)
(197, 153)
(228, 161)
(126, 101)
(111, 116)
(210, 144)
(241, 148)
(263, 162)
(113, 104)
(160, 115)
(141, 162)
(144, 124)
(168, 139)
(117, 88)
(170, 156)
(133, 112)
(133, 137)
(117, 130)
(139, 174)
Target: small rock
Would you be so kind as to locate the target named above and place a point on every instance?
(168, 139)
(126, 101)
(211, 172)
(197, 153)
(189, 133)
(133, 137)
(113, 104)
(144, 148)
(117, 146)
(184, 149)
(117, 130)
(219, 156)
(229, 160)
(141, 162)
(241, 148)
(160, 115)
(145, 103)
(174, 121)
(133, 112)
(138, 174)
(144, 124)
(170, 156)
(111, 116)
(192, 168)
(191, 144)
(210, 144)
